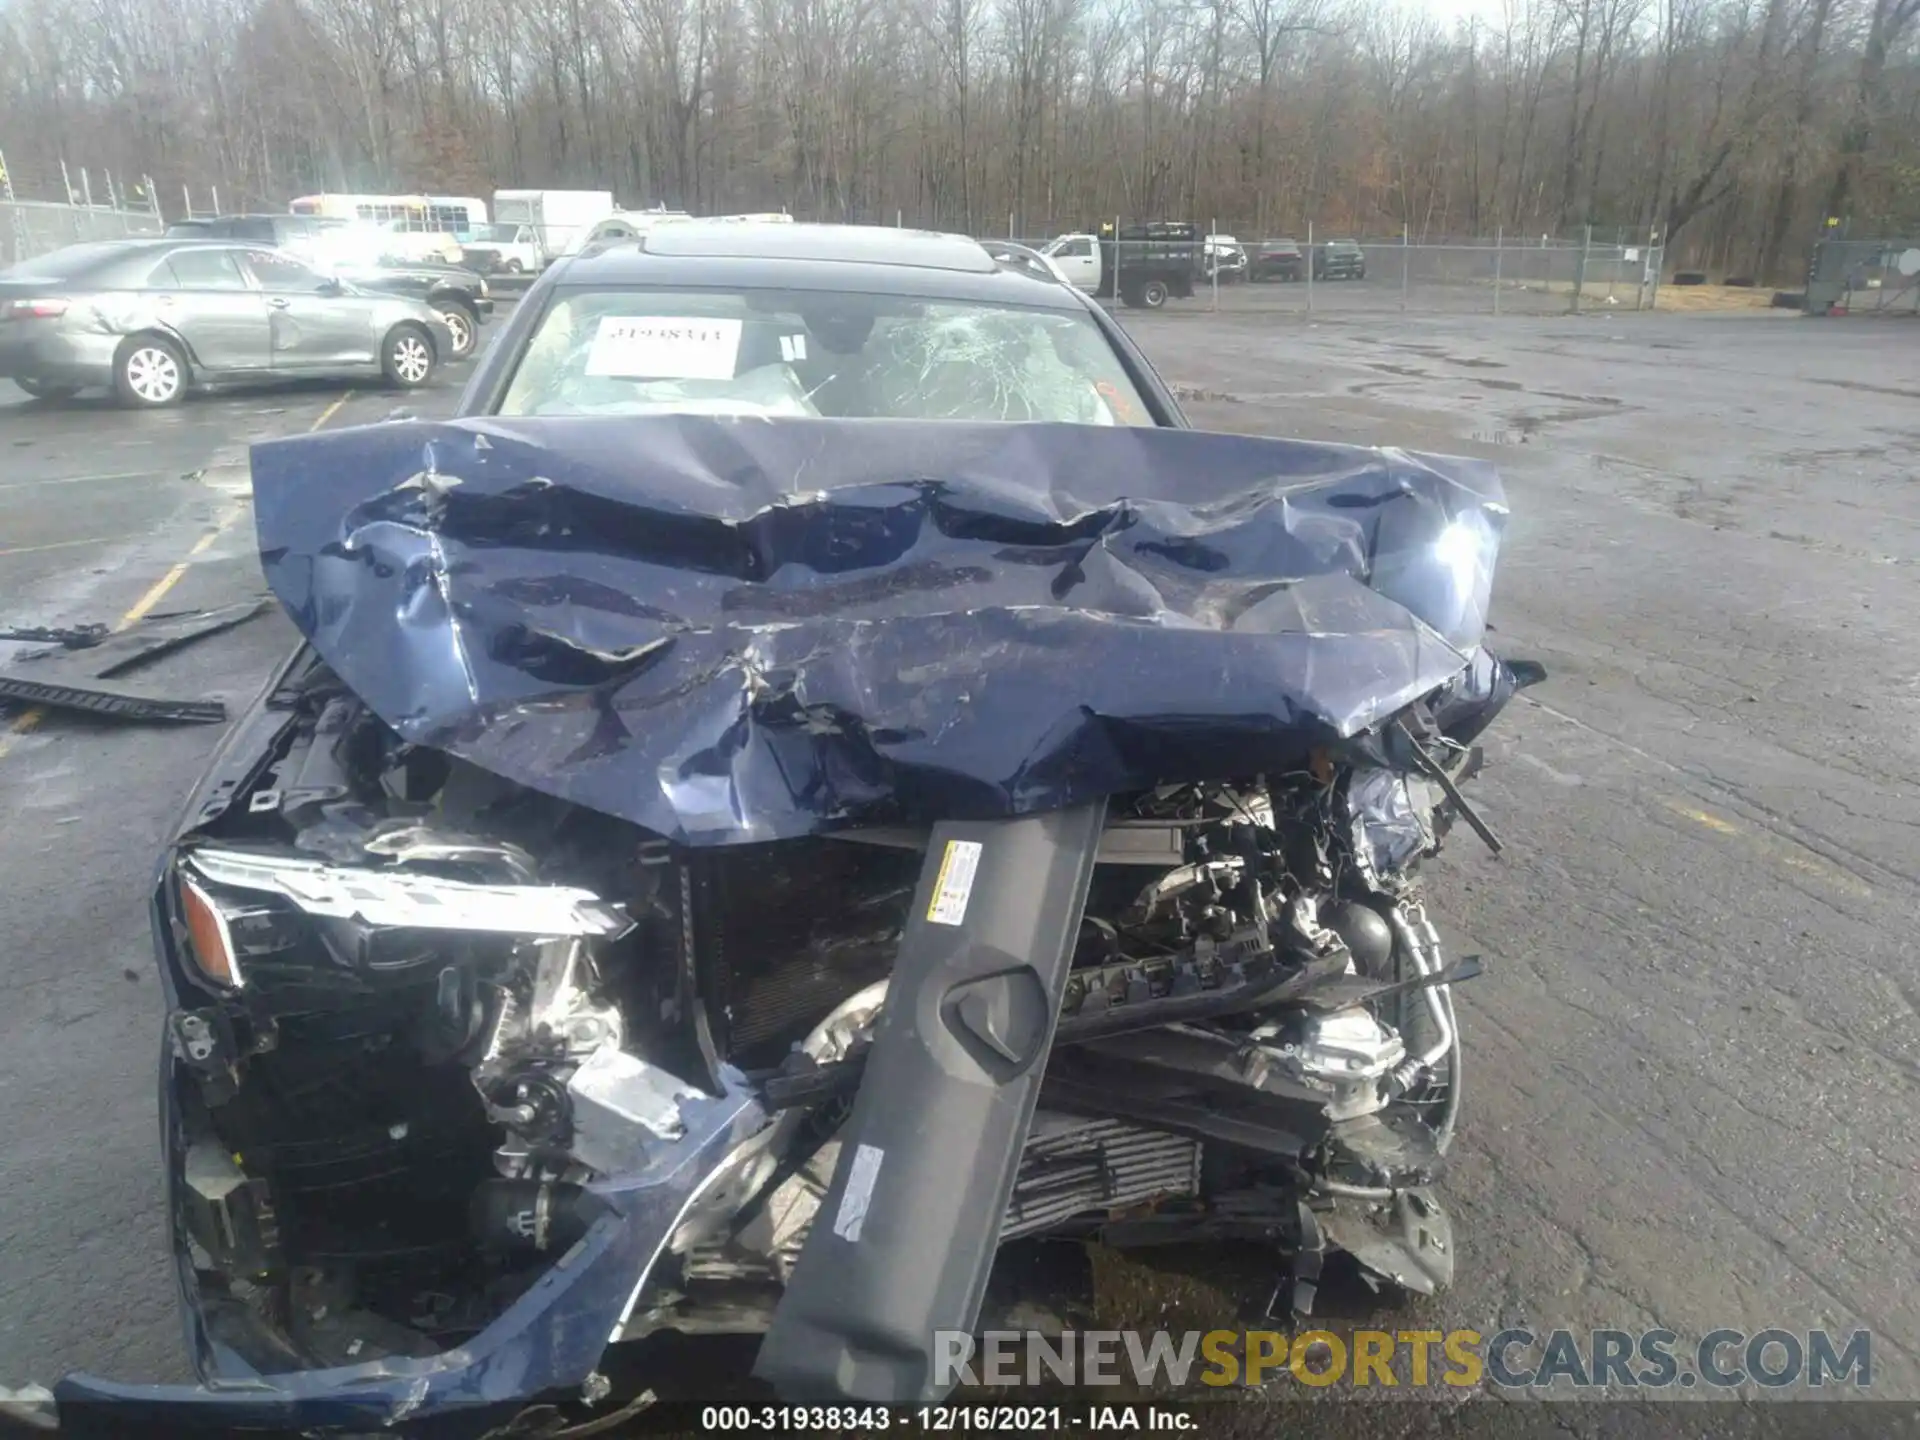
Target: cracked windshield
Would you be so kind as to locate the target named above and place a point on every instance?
(757, 352)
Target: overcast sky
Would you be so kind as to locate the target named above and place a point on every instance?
(1447, 12)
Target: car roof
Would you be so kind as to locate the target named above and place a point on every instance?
(165, 244)
(842, 244)
(114, 260)
(874, 258)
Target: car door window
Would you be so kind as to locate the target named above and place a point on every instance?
(199, 270)
(282, 273)
(1077, 250)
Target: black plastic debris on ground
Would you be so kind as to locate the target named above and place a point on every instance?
(80, 673)
(73, 637)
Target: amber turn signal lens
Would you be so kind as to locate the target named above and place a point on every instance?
(207, 931)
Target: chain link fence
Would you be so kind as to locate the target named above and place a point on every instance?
(1320, 270)
(91, 207)
(30, 228)
(1857, 277)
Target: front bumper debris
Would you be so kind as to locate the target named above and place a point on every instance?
(81, 676)
(548, 1343)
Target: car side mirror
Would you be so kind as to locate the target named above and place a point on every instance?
(331, 286)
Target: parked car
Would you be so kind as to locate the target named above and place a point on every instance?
(1339, 260)
(1226, 259)
(499, 1028)
(460, 296)
(151, 319)
(363, 256)
(1277, 260)
(630, 225)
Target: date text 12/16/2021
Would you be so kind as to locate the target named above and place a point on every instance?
(945, 1419)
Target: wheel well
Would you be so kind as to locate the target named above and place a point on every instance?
(454, 297)
(154, 332)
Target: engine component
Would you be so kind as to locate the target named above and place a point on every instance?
(1347, 1054)
(563, 1015)
(1367, 936)
(950, 1090)
(785, 932)
(535, 1216)
(621, 1106)
(229, 1212)
(1070, 1167)
(1422, 946)
(1073, 1166)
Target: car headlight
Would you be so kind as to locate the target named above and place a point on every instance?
(226, 930)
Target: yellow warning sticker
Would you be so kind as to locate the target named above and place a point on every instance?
(955, 883)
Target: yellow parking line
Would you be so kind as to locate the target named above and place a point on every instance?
(1712, 822)
(29, 720)
(328, 413)
(1780, 848)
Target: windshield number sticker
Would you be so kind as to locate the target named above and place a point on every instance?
(664, 347)
(955, 883)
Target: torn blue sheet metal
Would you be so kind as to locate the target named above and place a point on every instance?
(549, 1341)
(741, 629)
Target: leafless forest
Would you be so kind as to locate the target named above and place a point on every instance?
(1731, 126)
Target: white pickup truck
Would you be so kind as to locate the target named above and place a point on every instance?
(1143, 265)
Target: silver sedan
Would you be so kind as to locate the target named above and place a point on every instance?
(151, 319)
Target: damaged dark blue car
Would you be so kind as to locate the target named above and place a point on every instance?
(818, 774)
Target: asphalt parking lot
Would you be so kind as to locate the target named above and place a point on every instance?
(107, 515)
(1694, 1059)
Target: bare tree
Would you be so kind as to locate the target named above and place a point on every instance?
(1734, 127)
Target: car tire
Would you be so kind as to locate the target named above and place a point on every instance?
(407, 358)
(513, 267)
(463, 323)
(1153, 294)
(149, 373)
(41, 390)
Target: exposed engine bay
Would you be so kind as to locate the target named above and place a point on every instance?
(715, 877)
(441, 1008)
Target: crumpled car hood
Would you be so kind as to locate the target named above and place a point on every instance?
(730, 630)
